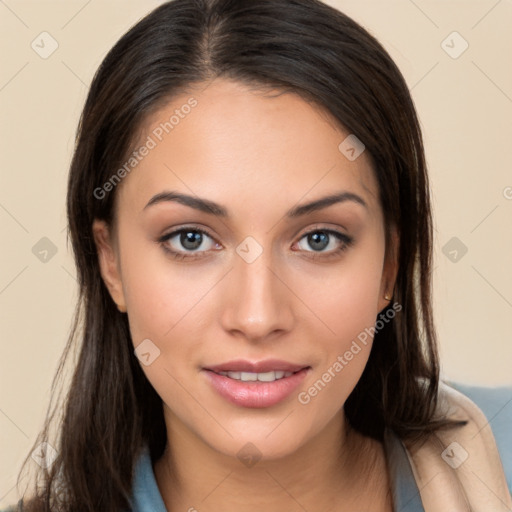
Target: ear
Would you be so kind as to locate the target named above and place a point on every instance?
(390, 271)
(108, 262)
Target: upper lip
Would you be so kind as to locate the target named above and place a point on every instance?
(268, 365)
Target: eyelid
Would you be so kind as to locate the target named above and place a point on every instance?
(322, 227)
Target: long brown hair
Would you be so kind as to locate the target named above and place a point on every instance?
(302, 46)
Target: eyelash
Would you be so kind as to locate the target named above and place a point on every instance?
(346, 240)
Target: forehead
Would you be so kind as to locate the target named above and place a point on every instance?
(244, 147)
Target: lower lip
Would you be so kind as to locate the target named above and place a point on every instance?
(255, 394)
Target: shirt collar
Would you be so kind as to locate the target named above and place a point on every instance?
(406, 495)
(146, 496)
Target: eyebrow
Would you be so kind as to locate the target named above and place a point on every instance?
(216, 209)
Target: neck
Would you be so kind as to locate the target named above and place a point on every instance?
(339, 469)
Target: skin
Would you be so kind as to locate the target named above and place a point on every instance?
(257, 156)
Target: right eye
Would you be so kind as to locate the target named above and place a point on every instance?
(186, 242)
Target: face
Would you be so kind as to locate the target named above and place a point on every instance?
(256, 284)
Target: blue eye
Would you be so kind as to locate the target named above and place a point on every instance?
(321, 239)
(187, 240)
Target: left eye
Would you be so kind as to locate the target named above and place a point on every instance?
(325, 238)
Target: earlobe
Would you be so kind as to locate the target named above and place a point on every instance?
(108, 262)
(390, 271)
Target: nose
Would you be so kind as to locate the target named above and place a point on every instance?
(257, 301)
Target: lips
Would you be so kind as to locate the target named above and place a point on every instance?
(268, 365)
(283, 379)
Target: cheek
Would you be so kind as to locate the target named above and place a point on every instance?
(344, 297)
(168, 306)
(162, 296)
(350, 314)
(346, 300)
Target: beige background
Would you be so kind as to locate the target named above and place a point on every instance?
(465, 106)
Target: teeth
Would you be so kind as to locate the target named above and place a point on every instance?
(247, 376)
(252, 377)
(266, 377)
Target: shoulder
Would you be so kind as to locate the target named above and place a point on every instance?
(495, 405)
(464, 464)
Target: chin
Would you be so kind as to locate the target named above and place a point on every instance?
(262, 441)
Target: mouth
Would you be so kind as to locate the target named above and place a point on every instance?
(256, 385)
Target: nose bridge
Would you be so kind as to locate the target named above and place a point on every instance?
(256, 303)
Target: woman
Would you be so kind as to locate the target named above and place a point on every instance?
(249, 209)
